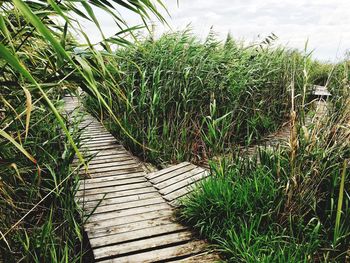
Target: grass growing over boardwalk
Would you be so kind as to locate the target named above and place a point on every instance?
(291, 206)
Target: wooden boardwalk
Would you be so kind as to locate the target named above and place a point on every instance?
(127, 218)
(176, 181)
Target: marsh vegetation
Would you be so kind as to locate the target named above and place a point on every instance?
(169, 100)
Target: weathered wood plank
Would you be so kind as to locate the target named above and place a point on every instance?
(95, 233)
(167, 253)
(106, 167)
(94, 129)
(100, 147)
(104, 159)
(178, 194)
(92, 144)
(203, 257)
(183, 183)
(99, 167)
(116, 150)
(114, 172)
(99, 137)
(148, 215)
(180, 177)
(320, 91)
(105, 151)
(127, 205)
(111, 168)
(86, 134)
(168, 176)
(92, 185)
(95, 159)
(137, 234)
(104, 140)
(139, 245)
(90, 125)
(111, 189)
(127, 212)
(113, 178)
(99, 196)
(101, 156)
(166, 170)
(120, 200)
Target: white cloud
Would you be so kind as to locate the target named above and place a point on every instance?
(325, 23)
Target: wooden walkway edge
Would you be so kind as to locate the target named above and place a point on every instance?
(127, 217)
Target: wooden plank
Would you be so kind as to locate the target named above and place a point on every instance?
(116, 149)
(167, 176)
(92, 185)
(100, 167)
(97, 137)
(98, 148)
(86, 134)
(114, 172)
(119, 162)
(113, 178)
(96, 122)
(91, 198)
(95, 233)
(167, 253)
(110, 159)
(137, 234)
(90, 125)
(95, 129)
(99, 143)
(151, 215)
(96, 140)
(103, 167)
(178, 194)
(93, 141)
(93, 171)
(166, 170)
(105, 155)
(127, 205)
(88, 116)
(203, 257)
(120, 200)
(144, 244)
(104, 159)
(100, 155)
(128, 212)
(179, 178)
(91, 120)
(94, 159)
(111, 189)
(120, 150)
(183, 183)
(91, 128)
(320, 91)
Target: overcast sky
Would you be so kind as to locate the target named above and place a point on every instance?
(326, 24)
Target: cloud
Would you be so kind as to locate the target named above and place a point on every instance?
(325, 23)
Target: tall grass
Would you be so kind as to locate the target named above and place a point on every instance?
(39, 219)
(290, 206)
(189, 100)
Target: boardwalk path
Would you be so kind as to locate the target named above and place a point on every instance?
(130, 220)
